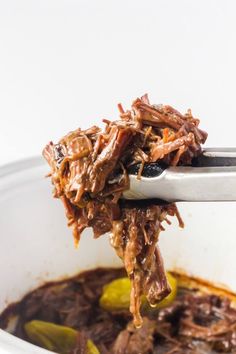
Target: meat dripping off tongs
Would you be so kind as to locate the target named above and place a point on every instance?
(211, 177)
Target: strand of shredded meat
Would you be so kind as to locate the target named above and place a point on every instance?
(89, 173)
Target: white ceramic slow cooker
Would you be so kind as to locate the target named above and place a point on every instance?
(36, 245)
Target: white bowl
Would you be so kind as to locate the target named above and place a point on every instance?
(37, 246)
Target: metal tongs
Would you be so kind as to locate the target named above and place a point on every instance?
(212, 177)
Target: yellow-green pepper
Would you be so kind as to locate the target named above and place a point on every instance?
(116, 294)
(60, 339)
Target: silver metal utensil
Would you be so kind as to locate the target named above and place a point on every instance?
(212, 177)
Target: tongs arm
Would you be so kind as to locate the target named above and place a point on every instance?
(211, 178)
(216, 157)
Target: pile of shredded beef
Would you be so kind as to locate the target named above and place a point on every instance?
(194, 323)
(89, 173)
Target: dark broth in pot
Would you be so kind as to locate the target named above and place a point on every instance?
(96, 305)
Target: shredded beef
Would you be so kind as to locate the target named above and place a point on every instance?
(81, 344)
(89, 174)
(131, 341)
(193, 323)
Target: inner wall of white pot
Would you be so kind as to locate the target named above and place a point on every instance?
(37, 246)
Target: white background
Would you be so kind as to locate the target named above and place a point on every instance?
(65, 64)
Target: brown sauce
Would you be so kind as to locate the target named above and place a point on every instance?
(201, 319)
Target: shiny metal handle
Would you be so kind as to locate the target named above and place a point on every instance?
(216, 157)
(186, 184)
(220, 151)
